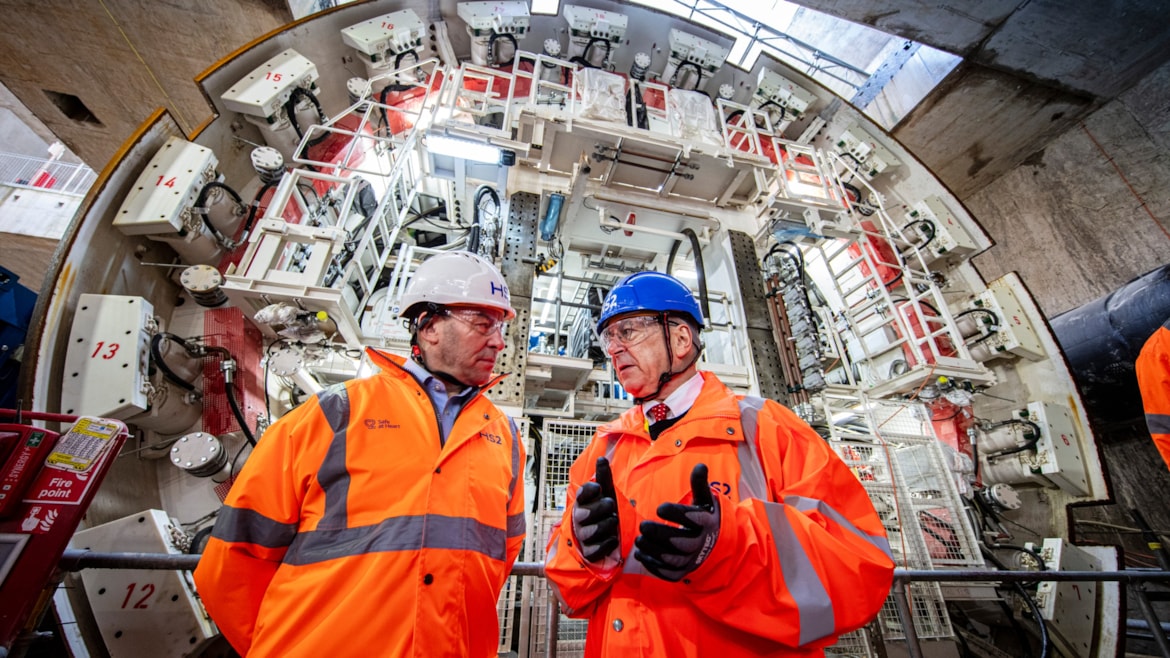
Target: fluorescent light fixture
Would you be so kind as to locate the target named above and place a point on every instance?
(464, 149)
(549, 7)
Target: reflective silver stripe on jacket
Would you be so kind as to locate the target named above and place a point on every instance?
(1158, 423)
(236, 524)
(516, 523)
(752, 481)
(427, 531)
(401, 533)
(808, 504)
(333, 475)
(813, 605)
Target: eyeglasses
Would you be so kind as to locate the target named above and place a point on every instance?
(629, 332)
(482, 323)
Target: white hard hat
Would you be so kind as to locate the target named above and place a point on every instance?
(457, 277)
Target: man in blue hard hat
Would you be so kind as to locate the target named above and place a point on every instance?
(703, 523)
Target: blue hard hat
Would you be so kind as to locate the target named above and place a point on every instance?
(649, 292)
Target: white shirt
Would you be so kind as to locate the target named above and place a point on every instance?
(681, 400)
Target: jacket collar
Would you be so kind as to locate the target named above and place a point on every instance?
(711, 414)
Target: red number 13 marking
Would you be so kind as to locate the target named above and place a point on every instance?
(110, 350)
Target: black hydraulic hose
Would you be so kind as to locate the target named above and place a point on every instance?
(229, 389)
(865, 209)
(485, 190)
(393, 87)
(924, 222)
(636, 108)
(793, 251)
(290, 108)
(492, 48)
(253, 210)
(777, 249)
(1043, 566)
(693, 65)
(476, 233)
(201, 208)
(764, 106)
(473, 238)
(994, 317)
(437, 210)
(583, 58)
(1030, 445)
(985, 335)
(156, 357)
(402, 55)
(199, 539)
(700, 272)
(1044, 646)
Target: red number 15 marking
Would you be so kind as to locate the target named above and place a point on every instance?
(110, 350)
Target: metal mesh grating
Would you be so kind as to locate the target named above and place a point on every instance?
(900, 422)
(851, 645)
(509, 601)
(891, 448)
(506, 612)
(908, 480)
(930, 615)
(538, 595)
(561, 442)
(931, 501)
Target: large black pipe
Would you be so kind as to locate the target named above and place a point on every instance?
(1103, 338)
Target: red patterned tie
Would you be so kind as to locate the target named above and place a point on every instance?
(659, 412)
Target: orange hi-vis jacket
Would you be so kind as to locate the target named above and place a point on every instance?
(352, 531)
(1153, 374)
(801, 555)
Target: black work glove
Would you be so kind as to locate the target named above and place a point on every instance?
(671, 552)
(595, 519)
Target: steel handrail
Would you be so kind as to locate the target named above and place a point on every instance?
(76, 560)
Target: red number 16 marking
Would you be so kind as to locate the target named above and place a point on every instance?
(110, 350)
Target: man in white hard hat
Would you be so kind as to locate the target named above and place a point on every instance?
(382, 516)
